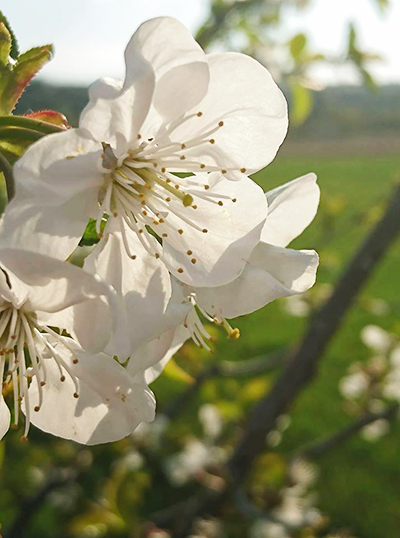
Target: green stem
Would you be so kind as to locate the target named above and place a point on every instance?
(5, 167)
(30, 123)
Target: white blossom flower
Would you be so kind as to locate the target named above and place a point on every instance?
(263, 528)
(354, 385)
(272, 271)
(211, 420)
(375, 430)
(376, 338)
(178, 111)
(35, 290)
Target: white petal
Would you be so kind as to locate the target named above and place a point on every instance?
(58, 167)
(5, 417)
(144, 283)
(244, 96)
(53, 230)
(53, 285)
(271, 273)
(291, 208)
(233, 230)
(115, 115)
(110, 405)
(179, 64)
(153, 356)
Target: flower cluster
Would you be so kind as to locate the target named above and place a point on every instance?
(368, 386)
(159, 166)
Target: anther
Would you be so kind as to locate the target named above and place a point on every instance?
(204, 230)
(189, 252)
(168, 180)
(194, 206)
(144, 212)
(221, 124)
(206, 187)
(180, 231)
(141, 230)
(155, 165)
(202, 166)
(62, 378)
(42, 383)
(243, 170)
(24, 438)
(75, 361)
(164, 235)
(220, 203)
(180, 270)
(234, 334)
(139, 136)
(163, 170)
(133, 257)
(76, 395)
(193, 260)
(157, 255)
(233, 199)
(182, 157)
(177, 187)
(115, 214)
(183, 146)
(199, 114)
(168, 199)
(212, 141)
(223, 171)
(37, 408)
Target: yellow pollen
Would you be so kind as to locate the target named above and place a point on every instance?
(165, 235)
(161, 221)
(234, 334)
(187, 200)
(156, 222)
(143, 202)
(206, 187)
(168, 180)
(194, 206)
(144, 212)
(163, 170)
(180, 270)
(177, 187)
(168, 199)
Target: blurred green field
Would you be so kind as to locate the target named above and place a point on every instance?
(359, 484)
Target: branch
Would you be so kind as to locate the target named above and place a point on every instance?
(302, 366)
(250, 367)
(321, 447)
(5, 167)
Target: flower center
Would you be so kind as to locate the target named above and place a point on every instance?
(198, 332)
(24, 349)
(144, 193)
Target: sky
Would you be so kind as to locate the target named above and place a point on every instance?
(89, 36)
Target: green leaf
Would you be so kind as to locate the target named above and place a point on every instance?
(33, 122)
(27, 66)
(5, 44)
(302, 103)
(90, 236)
(14, 141)
(297, 45)
(14, 52)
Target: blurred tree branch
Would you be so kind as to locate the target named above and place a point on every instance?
(320, 447)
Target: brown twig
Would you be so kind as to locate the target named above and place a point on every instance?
(320, 447)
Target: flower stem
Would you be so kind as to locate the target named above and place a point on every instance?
(5, 167)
